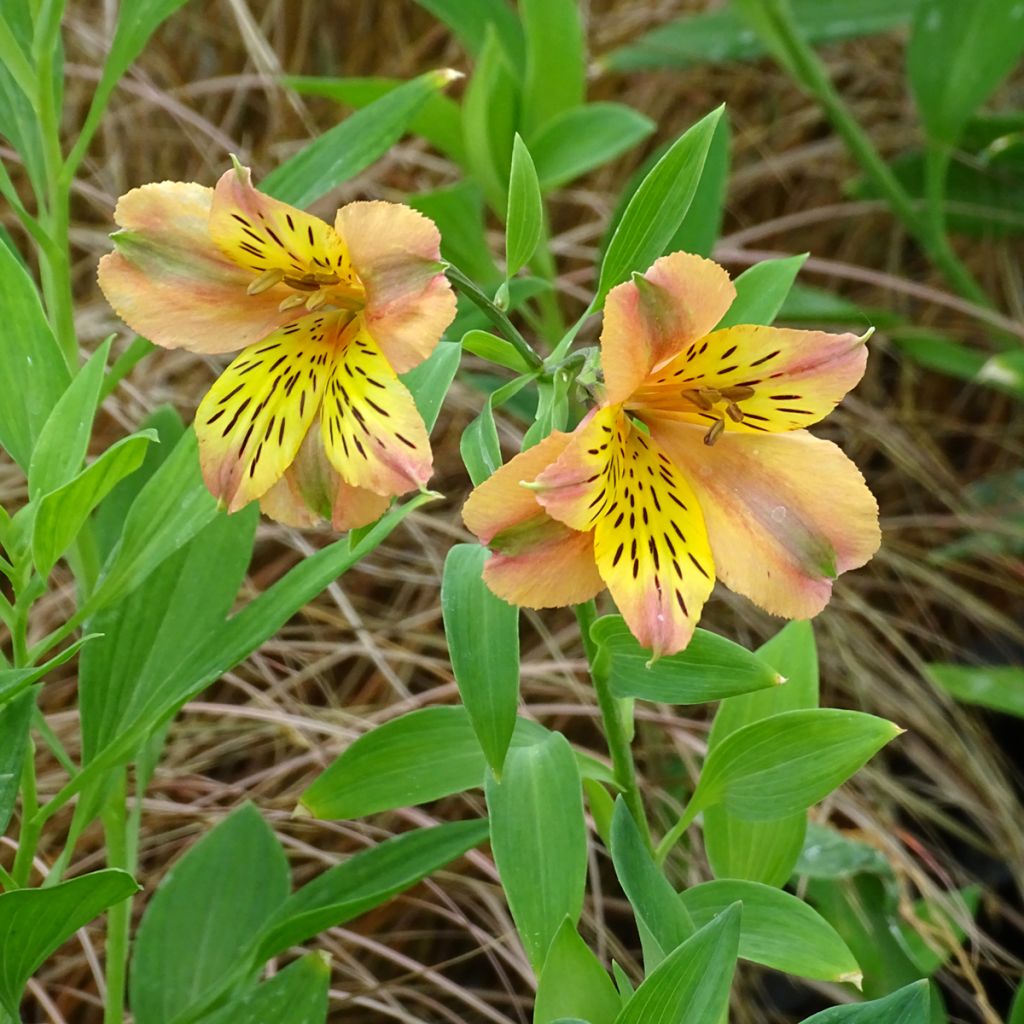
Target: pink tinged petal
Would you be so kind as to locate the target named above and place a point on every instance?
(262, 234)
(372, 432)
(537, 562)
(311, 492)
(650, 319)
(779, 379)
(171, 284)
(650, 542)
(396, 253)
(253, 421)
(786, 513)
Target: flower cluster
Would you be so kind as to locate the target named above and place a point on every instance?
(696, 464)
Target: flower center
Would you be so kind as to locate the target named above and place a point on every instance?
(717, 403)
(320, 289)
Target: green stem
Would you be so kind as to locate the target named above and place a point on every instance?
(801, 60)
(543, 265)
(614, 723)
(495, 315)
(673, 836)
(119, 855)
(31, 827)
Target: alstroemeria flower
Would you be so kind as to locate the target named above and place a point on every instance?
(696, 465)
(310, 417)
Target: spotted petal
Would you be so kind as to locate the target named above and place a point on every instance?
(658, 314)
(786, 513)
(263, 234)
(650, 543)
(783, 379)
(253, 420)
(396, 253)
(311, 491)
(537, 562)
(171, 284)
(372, 432)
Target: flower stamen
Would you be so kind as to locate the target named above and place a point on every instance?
(265, 281)
(715, 432)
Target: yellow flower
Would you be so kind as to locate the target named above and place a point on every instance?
(696, 465)
(326, 318)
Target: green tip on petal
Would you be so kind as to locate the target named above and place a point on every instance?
(239, 169)
(863, 339)
(532, 485)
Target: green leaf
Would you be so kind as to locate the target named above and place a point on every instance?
(183, 603)
(14, 681)
(941, 927)
(657, 208)
(496, 350)
(761, 291)
(691, 986)
(710, 667)
(64, 439)
(784, 764)
(458, 212)
(582, 138)
(658, 910)
(958, 54)
(343, 151)
(777, 930)
(489, 114)
(34, 923)
(15, 717)
(203, 915)
(909, 1005)
(364, 881)
(722, 35)
(573, 981)
(63, 512)
(539, 840)
(700, 227)
(828, 853)
(297, 995)
(439, 120)
(764, 851)
(999, 687)
(422, 756)
(937, 352)
(524, 220)
(429, 382)
(30, 361)
(479, 446)
(556, 73)
(172, 507)
(470, 23)
(483, 643)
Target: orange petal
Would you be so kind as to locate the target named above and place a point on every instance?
(263, 234)
(372, 432)
(651, 318)
(171, 284)
(650, 543)
(786, 513)
(311, 491)
(796, 377)
(253, 420)
(537, 562)
(396, 253)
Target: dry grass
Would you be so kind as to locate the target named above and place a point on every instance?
(943, 805)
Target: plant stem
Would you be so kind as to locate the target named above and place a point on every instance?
(28, 836)
(614, 723)
(495, 315)
(119, 917)
(805, 65)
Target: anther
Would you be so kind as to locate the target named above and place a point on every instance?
(265, 281)
(698, 400)
(326, 278)
(302, 284)
(711, 395)
(734, 412)
(316, 300)
(739, 393)
(291, 302)
(714, 433)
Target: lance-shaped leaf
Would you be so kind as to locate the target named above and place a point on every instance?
(35, 922)
(778, 929)
(297, 995)
(761, 290)
(573, 981)
(691, 986)
(909, 1005)
(710, 668)
(524, 219)
(15, 716)
(203, 915)
(483, 644)
(539, 839)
